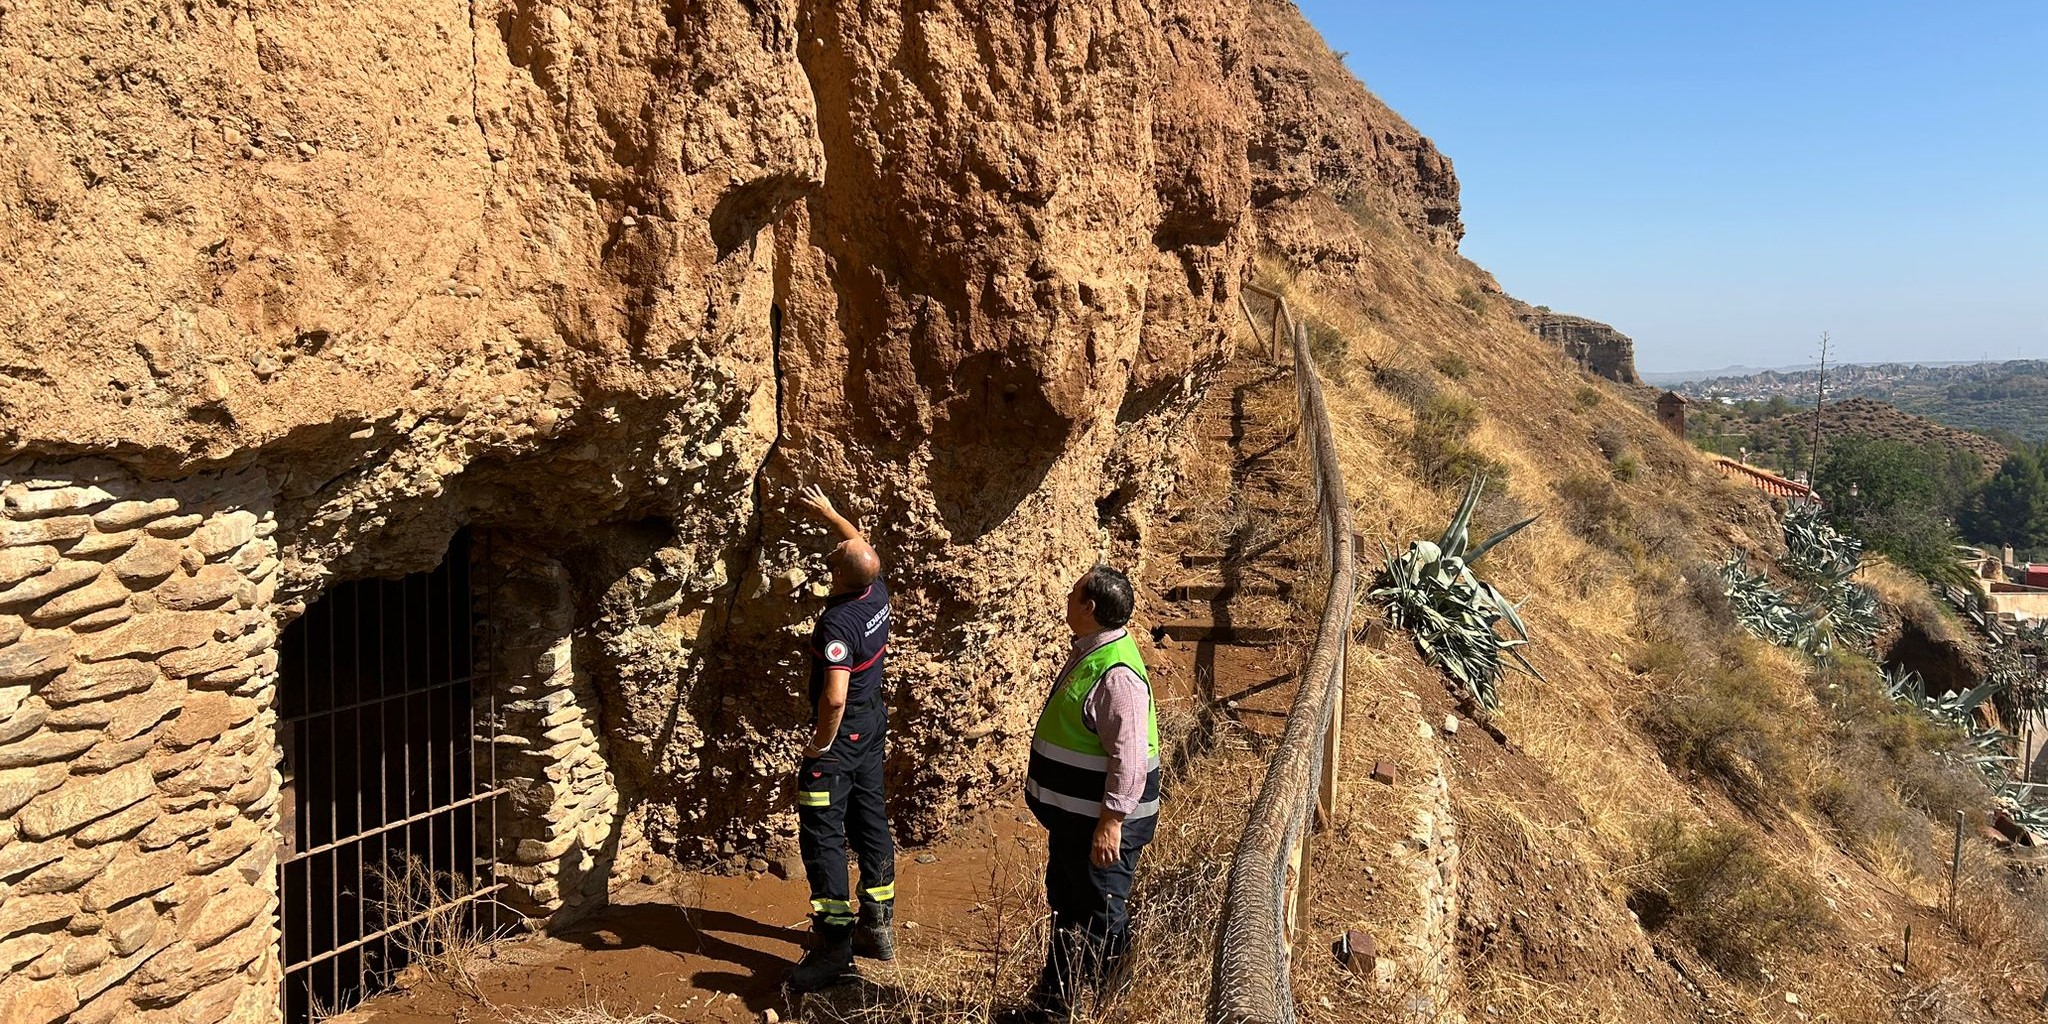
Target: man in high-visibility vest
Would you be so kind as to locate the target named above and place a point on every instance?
(1094, 785)
(839, 791)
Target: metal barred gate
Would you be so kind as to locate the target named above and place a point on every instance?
(389, 815)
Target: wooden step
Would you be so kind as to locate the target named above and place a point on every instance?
(1208, 591)
(1236, 634)
(1209, 559)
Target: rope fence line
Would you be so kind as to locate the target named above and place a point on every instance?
(1260, 905)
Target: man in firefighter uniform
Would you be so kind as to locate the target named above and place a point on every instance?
(1094, 784)
(839, 794)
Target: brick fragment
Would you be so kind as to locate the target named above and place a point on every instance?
(1385, 772)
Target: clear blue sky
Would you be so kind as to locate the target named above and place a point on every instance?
(1724, 181)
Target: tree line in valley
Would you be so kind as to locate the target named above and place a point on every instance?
(1910, 487)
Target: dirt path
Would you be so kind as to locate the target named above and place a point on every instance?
(711, 948)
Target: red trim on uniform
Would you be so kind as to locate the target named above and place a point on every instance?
(870, 661)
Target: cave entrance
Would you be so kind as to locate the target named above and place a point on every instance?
(1944, 668)
(390, 820)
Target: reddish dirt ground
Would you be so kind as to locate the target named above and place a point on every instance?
(714, 948)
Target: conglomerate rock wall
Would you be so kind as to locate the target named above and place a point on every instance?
(609, 281)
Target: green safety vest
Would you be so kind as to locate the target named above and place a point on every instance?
(1069, 767)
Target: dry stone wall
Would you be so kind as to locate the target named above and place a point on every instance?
(559, 825)
(138, 757)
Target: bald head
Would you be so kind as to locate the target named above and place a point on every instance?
(853, 564)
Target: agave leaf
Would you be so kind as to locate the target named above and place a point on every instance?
(1457, 535)
(1504, 534)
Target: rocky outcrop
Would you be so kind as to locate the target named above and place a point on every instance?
(1320, 135)
(1600, 349)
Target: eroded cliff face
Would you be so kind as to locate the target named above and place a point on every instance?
(613, 279)
(1598, 348)
(295, 294)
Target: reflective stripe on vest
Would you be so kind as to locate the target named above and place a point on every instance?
(1069, 765)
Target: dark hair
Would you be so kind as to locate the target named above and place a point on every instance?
(1110, 592)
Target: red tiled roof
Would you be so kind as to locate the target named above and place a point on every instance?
(1763, 480)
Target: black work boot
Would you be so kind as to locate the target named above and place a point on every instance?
(876, 936)
(828, 962)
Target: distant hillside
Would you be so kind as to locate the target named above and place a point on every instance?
(2010, 396)
(1671, 378)
(1779, 435)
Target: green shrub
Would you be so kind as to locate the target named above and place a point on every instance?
(1587, 396)
(1406, 383)
(1331, 349)
(1453, 365)
(1593, 509)
(1895, 745)
(1626, 467)
(1716, 890)
(1441, 442)
(1473, 299)
(1729, 724)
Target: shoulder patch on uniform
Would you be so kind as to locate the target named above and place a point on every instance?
(836, 651)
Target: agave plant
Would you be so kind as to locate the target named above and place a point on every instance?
(1431, 592)
(1815, 551)
(1836, 611)
(1904, 685)
(1761, 608)
(2014, 801)
(1848, 614)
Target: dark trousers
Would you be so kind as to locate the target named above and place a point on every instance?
(840, 798)
(1091, 917)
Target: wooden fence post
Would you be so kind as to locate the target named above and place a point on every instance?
(1955, 864)
(1333, 743)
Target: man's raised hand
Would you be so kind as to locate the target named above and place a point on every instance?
(813, 497)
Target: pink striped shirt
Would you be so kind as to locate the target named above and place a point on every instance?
(1116, 711)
